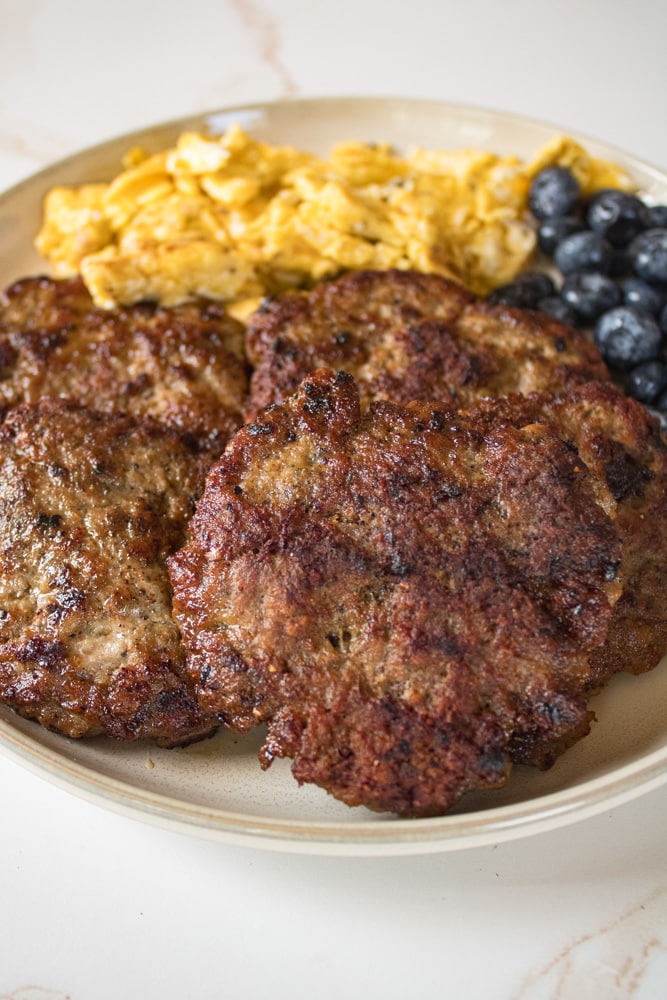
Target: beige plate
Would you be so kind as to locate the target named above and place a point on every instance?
(216, 789)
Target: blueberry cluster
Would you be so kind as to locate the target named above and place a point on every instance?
(611, 252)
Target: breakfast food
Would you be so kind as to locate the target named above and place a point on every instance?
(620, 443)
(184, 367)
(92, 504)
(405, 336)
(608, 256)
(413, 597)
(232, 218)
(440, 530)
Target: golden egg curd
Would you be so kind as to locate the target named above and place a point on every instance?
(235, 219)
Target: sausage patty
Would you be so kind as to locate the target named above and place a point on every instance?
(91, 505)
(406, 335)
(183, 366)
(413, 597)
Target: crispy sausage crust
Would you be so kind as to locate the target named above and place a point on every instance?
(91, 505)
(406, 335)
(183, 366)
(622, 445)
(412, 597)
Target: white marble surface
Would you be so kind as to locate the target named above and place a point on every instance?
(94, 906)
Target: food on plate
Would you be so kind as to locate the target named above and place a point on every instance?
(405, 335)
(232, 218)
(92, 504)
(627, 338)
(554, 191)
(588, 294)
(413, 597)
(441, 529)
(611, 251)
(621, 444)
(182, 366)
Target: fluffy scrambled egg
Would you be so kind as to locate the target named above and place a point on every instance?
(235, 219)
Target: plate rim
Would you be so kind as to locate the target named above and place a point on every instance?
(385, 835)
(246, 107)
(382, 836)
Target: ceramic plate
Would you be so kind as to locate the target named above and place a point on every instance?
(216, 788)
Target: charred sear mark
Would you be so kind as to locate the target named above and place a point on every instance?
(47, 521)
(493, 763)
(285, 348)
(398, 566)
(447, 491)
(625, 477)
(319, 401)
(45, 653)
(437, 421)
(558, 711)
(339, 640)
(257, 429)
(398, 483)
(316, 400)
(611, 572)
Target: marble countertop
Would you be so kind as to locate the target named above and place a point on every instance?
(94, 905)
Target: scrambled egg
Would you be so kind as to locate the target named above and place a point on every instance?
(234, 219)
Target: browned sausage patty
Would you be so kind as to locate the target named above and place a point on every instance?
(622, 446)
(411, 598)
(406, 335)
(91, 505)
(183, 366)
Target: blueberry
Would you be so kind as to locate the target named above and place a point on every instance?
(620, 264)
(583, 252)
(657, 216)
(642, 297)
(552, 231)
(554, 191)
(511, 295)
(525, 291)
(662, 321)
(626, 337)
(648, 253)
(559, 309)
(539, 282)
(647, 381)
(589, 295)
(617, 216)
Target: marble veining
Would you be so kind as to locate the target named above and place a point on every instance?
(613, 960)
(264, 31)
(35, 993)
